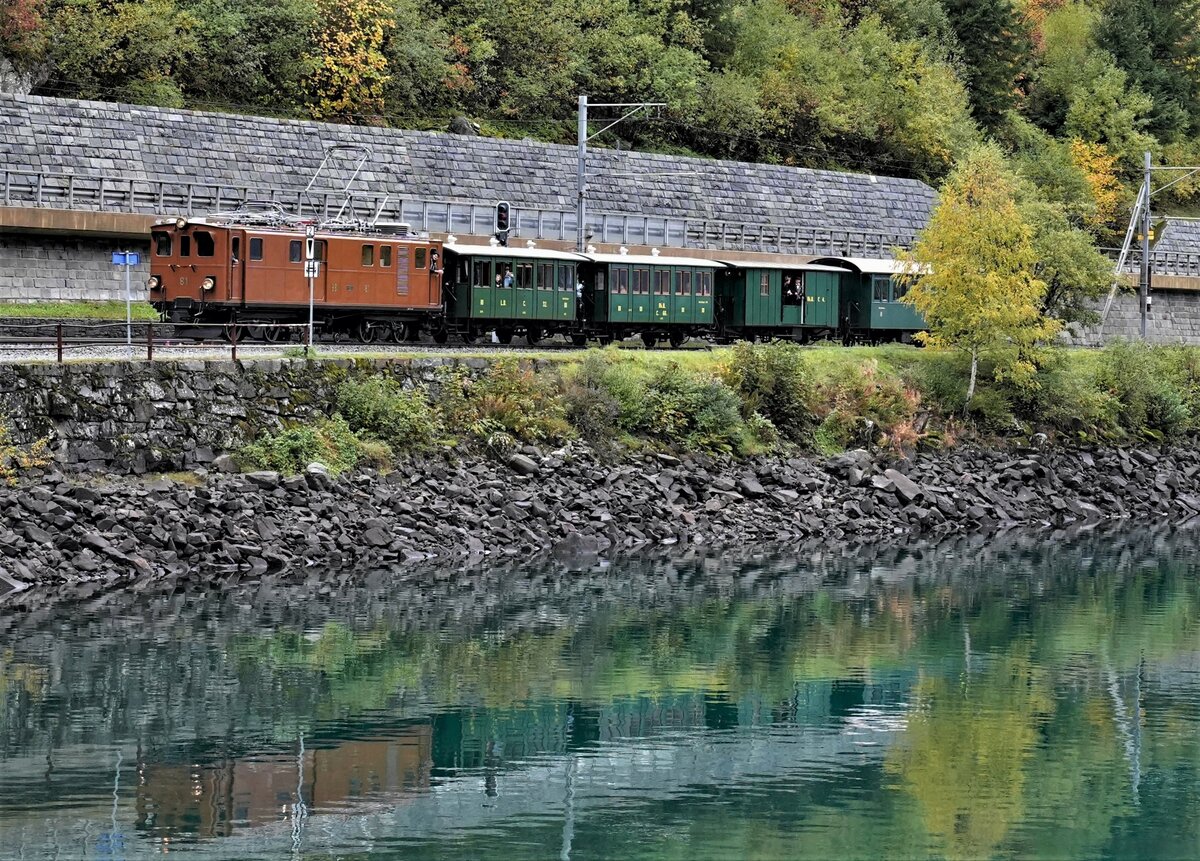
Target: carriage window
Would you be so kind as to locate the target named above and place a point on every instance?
(185, 246)
(237, 248)
(566, 276)
(622, 287)
(162, 244)
(599, 282)
(764, 284)
(899, 288)
(385, 255)
(320, 250)
(793, 289)
(641, 282)
(882, 285)
(295, 254)
(483, 273)
(705, 288)
(401, 271)
(256, 249)
(662, 283)
(205, 246)
(545, 276)
(683, 282)
(368, 255)
(524, 276)
(419, 258)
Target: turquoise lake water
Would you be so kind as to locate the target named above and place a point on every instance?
(1023, 696)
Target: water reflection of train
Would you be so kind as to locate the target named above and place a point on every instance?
(506, 757)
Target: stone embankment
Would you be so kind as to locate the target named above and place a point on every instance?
(215, 530)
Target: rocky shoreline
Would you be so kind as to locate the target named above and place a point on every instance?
(80, 535)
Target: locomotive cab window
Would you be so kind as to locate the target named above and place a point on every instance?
(256, 249)
(205, 246)
(162, 244)
(368, 255)
(236, 253)
(419, 258)
(295, 251)
(385, 255)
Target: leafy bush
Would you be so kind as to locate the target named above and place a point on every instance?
(383, 409)
(773, 380)
(606, 396)
(329, 441)
(1146, 389)
(863, 406)
(14, 457)
(592, 408)
(507, 401)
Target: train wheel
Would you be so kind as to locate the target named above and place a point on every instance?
(676, 339)
(273, 334)
(365, 332)
(649, 339)
(394, 333)
(579, 340)
(441, 336)
(532, 335)
(504, 336)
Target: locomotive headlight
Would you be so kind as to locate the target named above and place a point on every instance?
(181, 223)
(153, 282)
(208, 284)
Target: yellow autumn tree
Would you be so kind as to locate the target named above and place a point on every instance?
(1099, 168)
(348, 68)
(971, 271)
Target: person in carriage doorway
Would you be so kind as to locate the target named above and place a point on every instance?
(509, 280)
(580, 311)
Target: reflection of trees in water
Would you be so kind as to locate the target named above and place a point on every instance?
(1006, 649)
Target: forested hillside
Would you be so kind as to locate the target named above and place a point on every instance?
(1072, 91)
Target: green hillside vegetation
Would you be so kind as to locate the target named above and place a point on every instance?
(1072, 90)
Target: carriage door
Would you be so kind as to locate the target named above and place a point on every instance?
(237, 265)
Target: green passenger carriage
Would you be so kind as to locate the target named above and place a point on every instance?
(653, 295)
(510, 290)
(870, 306)
(778, 300)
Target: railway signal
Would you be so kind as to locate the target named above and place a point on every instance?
(503, 211)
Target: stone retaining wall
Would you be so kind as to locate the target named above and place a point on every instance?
(67, 269)
(137, 417)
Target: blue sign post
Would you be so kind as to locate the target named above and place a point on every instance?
(127, 259)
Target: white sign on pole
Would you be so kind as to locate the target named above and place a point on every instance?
(312, 268)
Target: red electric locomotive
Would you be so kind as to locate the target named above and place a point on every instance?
(250, 271)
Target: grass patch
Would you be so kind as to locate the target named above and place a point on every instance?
(106, 310)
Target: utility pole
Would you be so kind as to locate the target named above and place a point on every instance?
(1144, 282)
(581, 178)
(581, 167)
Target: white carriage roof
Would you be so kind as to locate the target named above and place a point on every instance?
(866, 265)
(653, 260)
(514, 252)
(791, 267)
